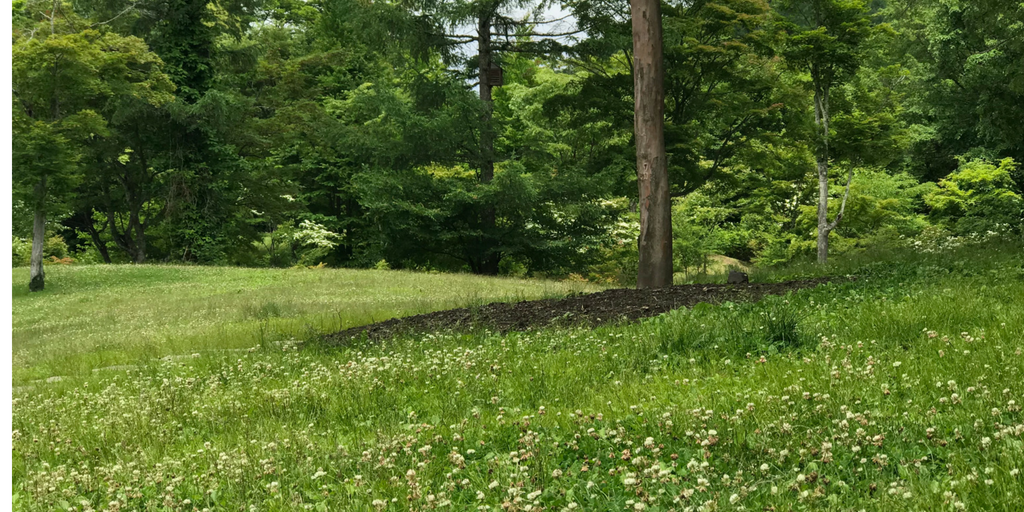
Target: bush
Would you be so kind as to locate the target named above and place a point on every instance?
(977, 198)
(53, 247)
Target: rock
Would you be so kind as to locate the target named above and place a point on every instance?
(738, 277)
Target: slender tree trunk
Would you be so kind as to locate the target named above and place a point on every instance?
(821, 119)
(655, 242)
(491, 258)
(38, 278)
(823, 229)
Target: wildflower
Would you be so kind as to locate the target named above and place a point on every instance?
(734, 498)
(556, 473)
(492, 485)
(764, 467)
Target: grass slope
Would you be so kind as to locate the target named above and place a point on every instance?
(900, 391)
(106, 315)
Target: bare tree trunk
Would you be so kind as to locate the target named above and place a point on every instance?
(655, 242)
(821, 119)
(489, 264)
(823, 230)
(38, 278)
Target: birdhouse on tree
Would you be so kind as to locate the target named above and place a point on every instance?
(495, 76)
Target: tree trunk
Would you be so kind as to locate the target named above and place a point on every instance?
(821, 119)
(38, 278)
(139, 244)
(655, 242)
(97, 242)
(823, 229)
(486, 134)
(489, 263)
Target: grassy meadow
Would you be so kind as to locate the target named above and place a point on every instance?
(111, 315)
(900, 390)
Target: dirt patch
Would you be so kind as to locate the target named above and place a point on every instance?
(622, 304)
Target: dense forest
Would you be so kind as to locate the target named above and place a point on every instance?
(497, 136)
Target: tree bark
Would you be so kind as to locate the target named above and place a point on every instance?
(823, 229)
(491, 258)
(38, 278)
(94, 234)
(655, 242)
(821, 120)
(486, 134)
(139, 244)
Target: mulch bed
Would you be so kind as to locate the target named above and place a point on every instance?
(621, 304)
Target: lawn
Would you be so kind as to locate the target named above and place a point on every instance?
(109, 315)
(900, 390)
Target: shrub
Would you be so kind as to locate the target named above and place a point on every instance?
(978, 197)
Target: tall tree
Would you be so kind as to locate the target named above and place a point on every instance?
(655, 242)
(63, 81)
(430, 29)
(824, 40)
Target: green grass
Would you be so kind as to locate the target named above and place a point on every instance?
(901, 390)
(107, 315)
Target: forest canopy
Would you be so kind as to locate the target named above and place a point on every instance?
(354, 134)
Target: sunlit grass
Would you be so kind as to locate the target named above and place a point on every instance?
(95, 316)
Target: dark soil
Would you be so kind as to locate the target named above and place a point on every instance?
(622, 304)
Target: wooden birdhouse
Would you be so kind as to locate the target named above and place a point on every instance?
(495, 76)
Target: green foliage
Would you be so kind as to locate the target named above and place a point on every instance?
(53, 247)
(212, 133)
(980, 196)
